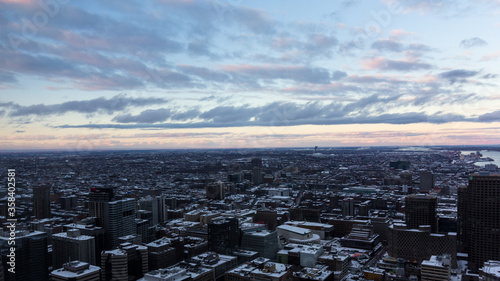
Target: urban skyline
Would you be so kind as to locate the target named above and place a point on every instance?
(104, 75)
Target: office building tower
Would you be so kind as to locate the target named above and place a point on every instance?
(216, 191)
(161, 254)
(257, 162)
(32, 262)
(129, 262)
(70, 246)
(117, 217)
(257, 177)
(427, 181)
(223, 235)
(348, 207)
(68, 202)
(89, 229)
(421, 210)
(98, 199)
(157, 206)
(267, 217)
(76, 271)
(479, 219)
(121, 220)
(264, 242)
(41, 202)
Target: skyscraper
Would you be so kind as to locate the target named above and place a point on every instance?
(32, 261)
(427, 180)
(121, 220)
(421, 210)
(223, 235)
(117, 217)
(41, 202)
(479, 219)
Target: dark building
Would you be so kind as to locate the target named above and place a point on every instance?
(161, 254)
(257, 162)
(403, 165)
(41, 202)
(417, 245)
(69, 202)
(427, 180)
(421, 210)
(348, 207)
(117, 217)
(267, 217)
(361, 237)
(479, 219)
(223, 235)
(32, 260)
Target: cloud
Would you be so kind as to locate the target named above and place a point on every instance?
(229, 114)
(490, 117)
(387, 45)
(458, 75)
(491, 57)
(393, 118)
(316, 75)
(382, 63)
(109, 106)
(7, 77)
(368, 110)
(151, 116)
(205, 73)
(147, 116)
(489, 76)
(472, 42)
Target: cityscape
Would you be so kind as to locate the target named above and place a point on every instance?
(385, 213)
(237, 140)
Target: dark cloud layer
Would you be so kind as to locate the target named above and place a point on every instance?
(109, 106)
(458, 75)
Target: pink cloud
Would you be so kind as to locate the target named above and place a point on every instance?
(399, 33)
(491, 57)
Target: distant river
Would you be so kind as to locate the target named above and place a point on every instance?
(495, 155)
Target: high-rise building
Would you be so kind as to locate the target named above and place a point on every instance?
(427, 180)
(121, 220)
(98, 199)
(117, 217)
(76, 271)
(90, 229)
(70, 246)
(348, 207)
(264, 242)
(129, 262)
(421, 210)
(41, 202)
(157, 206)
(267, 217)
(223, 235)
(32, 262)
(479, 219)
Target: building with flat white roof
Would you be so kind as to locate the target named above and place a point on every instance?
(76, 271)
(71, 245)
(299, 235)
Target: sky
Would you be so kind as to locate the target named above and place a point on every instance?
(180, 74)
